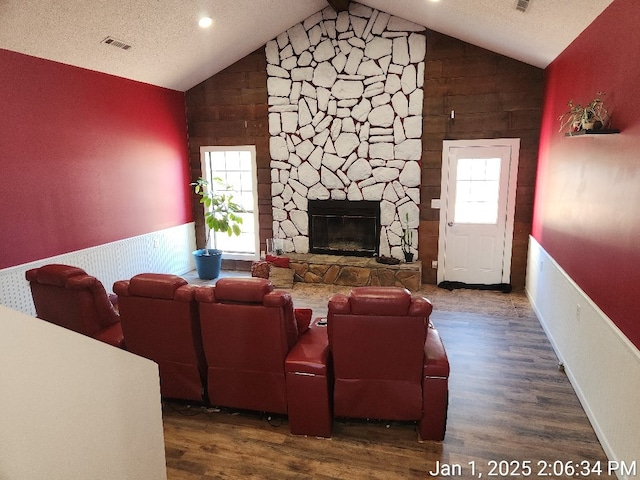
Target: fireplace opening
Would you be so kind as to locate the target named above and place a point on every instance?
(344, 227)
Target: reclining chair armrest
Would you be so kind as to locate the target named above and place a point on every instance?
(310, 354)
(205, 294)
(106, 305)
(277, 298)
(185, 293)
(308, 373)
(112, 335)
(113, 299)
(121, 288)
(303, 319)
(339, 303)
(420, 306)
(436, 363)
(31, 275)
(433, 424)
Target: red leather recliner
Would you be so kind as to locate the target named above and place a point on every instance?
(389, 362)
(248, 329)
(68, 297)
(160, 322)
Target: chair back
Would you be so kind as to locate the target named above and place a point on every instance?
(160, 322)
(248, 328)
(377, 337)
(67, 296)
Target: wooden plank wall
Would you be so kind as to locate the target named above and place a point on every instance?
(231, 109)
(493, 96)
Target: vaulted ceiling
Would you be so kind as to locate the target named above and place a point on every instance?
(168, 48)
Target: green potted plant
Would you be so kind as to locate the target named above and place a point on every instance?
(592, 116)
(221, 214)
(407, 240)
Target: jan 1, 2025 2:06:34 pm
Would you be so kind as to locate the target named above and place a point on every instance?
(530, 468)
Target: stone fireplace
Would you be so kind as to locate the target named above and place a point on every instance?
(342, 227)
(345, 119)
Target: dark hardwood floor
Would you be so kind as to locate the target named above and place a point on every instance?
(511, 409)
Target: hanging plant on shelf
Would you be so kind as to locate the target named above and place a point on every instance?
(592, 116)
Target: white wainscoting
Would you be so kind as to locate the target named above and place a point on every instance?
(602, 364)
(163, 251)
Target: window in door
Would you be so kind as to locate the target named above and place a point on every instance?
(477, 190)
(236, 166)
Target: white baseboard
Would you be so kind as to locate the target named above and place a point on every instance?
(603, 366)
(163, 251)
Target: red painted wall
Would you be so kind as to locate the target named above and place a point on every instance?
(587, 207)
(85, 159)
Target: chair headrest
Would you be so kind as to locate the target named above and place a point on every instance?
(54, 274)
(379, 300)
(245, 290)
(155, 285)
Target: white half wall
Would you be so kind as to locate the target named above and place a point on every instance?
(163, 251)
(74, 407)
(602, 364)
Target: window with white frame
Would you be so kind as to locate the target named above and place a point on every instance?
(236, 166)
(477, 190)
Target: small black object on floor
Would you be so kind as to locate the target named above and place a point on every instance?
(500, 287)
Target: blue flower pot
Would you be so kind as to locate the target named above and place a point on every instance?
(208, 261)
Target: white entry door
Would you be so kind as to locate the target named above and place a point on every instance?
(477, 209)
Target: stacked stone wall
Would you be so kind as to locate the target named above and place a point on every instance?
(345, 120)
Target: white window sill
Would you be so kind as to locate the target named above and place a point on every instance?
(240, 256)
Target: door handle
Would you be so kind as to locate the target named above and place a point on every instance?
(451, 224)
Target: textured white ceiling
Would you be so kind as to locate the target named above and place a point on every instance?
(536, 36)
(170, 50)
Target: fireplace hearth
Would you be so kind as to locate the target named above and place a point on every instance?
(344, 227)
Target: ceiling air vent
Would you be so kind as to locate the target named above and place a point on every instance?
(522, 5)
(116, 43)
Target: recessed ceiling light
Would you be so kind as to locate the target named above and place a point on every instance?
(435, 1)
(205, 22)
